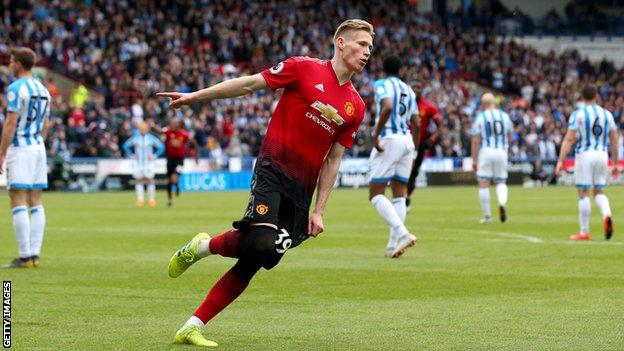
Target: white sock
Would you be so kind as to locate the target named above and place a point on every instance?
(386, 210)
(21, 226)
(37, 228)
(484, 198)
(602, 201)
(139, 191)
(584, 206)
(501, 193)
(151, 192)
(401, 210)
(203, 248)
(193, 321)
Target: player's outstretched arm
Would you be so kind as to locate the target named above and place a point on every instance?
(226, 89)
(325, 184)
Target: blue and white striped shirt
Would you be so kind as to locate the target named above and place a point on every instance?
(592, 124)
(31, 101)
(404, 105)
(493, 126)
(145, 147)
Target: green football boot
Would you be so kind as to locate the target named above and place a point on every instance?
(186, 256)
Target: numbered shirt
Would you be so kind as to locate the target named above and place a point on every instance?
(592, 124)
(404, 105)
(31, 101)
(314, 112)
(493, 127)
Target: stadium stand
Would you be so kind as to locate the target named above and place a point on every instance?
(125, 51)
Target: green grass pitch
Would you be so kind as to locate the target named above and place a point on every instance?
(521, 285)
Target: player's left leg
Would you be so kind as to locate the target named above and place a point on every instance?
(484, 200)
(500, 178)
(151, 191)
(37, 225)
(21, 227)
(584, 207)
(257, 247)
(485, 174)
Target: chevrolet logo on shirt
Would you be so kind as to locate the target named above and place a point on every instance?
(328, 112)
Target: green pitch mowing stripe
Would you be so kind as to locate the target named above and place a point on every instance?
(521, 285)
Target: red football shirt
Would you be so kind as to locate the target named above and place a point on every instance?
(314, 112)
(175, 142)
(427, 111)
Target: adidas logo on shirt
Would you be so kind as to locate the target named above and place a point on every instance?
(320, 87)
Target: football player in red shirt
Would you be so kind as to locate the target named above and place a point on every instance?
(176, 142)
(316, 118)
(428, 112)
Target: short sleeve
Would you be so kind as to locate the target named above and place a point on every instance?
(282, 74)
(572, 122)
(347, 136)
(477, 125)
(13, 100)
(414, 111)
(382, 89)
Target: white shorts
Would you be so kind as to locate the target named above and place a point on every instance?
(145, 171)
(492, 165)
(395, 162)
(591, 169)
(27, 167)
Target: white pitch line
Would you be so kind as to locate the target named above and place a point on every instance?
(529, 238)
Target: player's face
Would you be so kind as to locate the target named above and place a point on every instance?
(357, 49)
(174, 125)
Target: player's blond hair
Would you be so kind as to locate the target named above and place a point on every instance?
(352, 25)
(488, 100)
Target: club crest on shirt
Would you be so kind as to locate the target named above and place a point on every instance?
(262, 209)
(328, 112)
(277, 68)
(349, 108)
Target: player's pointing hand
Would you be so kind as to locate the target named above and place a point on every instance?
(178, 99)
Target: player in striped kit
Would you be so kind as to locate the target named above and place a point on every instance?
(144, 148)
(391, 159)
(22, 145)
(593, 130)
(491, 132)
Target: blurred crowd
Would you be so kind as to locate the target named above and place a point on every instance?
(126, 51)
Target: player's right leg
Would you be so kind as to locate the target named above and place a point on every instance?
(500, 178)
(257, 247)
(202, 245)
(140, 191)
(37, 225)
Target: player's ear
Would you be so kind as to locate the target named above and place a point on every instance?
(340, 42)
